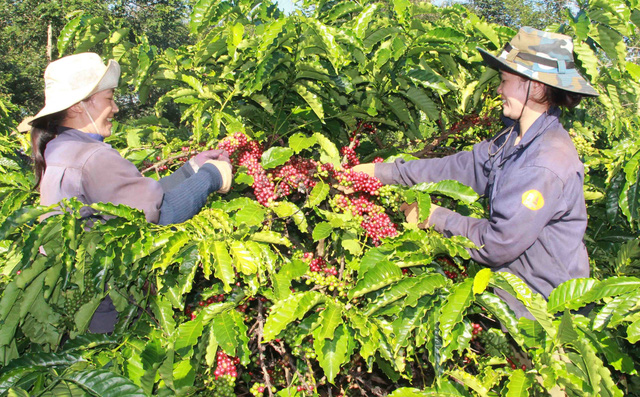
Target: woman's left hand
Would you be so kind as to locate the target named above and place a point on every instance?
(203, 157)
(411, 213)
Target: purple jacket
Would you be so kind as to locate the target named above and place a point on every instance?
(537, 213)
(92, 171)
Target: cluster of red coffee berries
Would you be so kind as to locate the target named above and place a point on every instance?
(451, 269)
(468, 121)
(192, 312)
(297, 175)
(358, 181)
(226, 365)
(349, 153)
(371, 216)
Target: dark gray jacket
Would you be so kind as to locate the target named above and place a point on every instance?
(537, 214)
(92, 171)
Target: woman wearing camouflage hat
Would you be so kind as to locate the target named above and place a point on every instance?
(530, 172)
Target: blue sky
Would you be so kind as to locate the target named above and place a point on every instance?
(285, 5)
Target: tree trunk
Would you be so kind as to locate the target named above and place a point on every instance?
(49, 42)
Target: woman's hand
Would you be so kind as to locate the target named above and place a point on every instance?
(226, 171)
(411, 213)
(202, 157)
(199, 159)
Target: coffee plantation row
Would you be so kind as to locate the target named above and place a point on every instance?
(305, 279)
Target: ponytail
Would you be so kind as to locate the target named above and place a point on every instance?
(43, 131)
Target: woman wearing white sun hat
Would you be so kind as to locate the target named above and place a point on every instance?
(530, 172)
(71, 159)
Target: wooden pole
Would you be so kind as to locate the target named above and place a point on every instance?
(49, 42)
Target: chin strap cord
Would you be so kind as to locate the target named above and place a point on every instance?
(95, 127)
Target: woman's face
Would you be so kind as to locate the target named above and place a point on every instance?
(513, 92)
(102, 108)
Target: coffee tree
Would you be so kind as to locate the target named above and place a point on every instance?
(305, 279)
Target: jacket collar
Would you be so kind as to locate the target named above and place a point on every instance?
(81, 134)
(538, 128)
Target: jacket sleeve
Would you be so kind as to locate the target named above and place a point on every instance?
(525, 204)
(187, 199)
(465, 167)
(107, 177)
(174, 179)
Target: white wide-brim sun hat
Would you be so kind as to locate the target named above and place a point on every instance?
(74, 78)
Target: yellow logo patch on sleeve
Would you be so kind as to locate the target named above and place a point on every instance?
(533, 200)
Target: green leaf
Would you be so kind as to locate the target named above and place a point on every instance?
(318, 194)
(163, 313)
(362, 21)
(174, 244)
(502, 312)
(322, 231)
(332, 353)
(451, 188)
(276, 156)
(534, 302)
(89, 341)
(413, 288)
(287, 310)
(269, 35)
(67, 34)
(452, 312)
(21, 217)
(101, 382)
(342, 9)
(271, 237)
(423, 102)
(187, 336)
(633, 331)
(570, 294)
(223, 265)
(83, 316)
(151, 359)
(244, 260)
(566, 331)
(251, 214)
(299, 142)
(120, 210)
(612, 286)
(377, 277)
(312, 99)
(481, 281)
(488, 32)
(324, 32)
(234, 37)
(330, 319)
(288, 272)
(228, 332)
(376, 36)
(615, 310)
(287, 209)
(329, 150)
(469, 380)
(519, 384)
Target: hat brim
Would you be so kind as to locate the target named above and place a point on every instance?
(573, 82)
(108, 80)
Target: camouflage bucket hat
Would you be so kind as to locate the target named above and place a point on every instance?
(541, 56)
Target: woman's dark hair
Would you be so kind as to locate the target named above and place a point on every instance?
(43, 130)
(561, 98)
